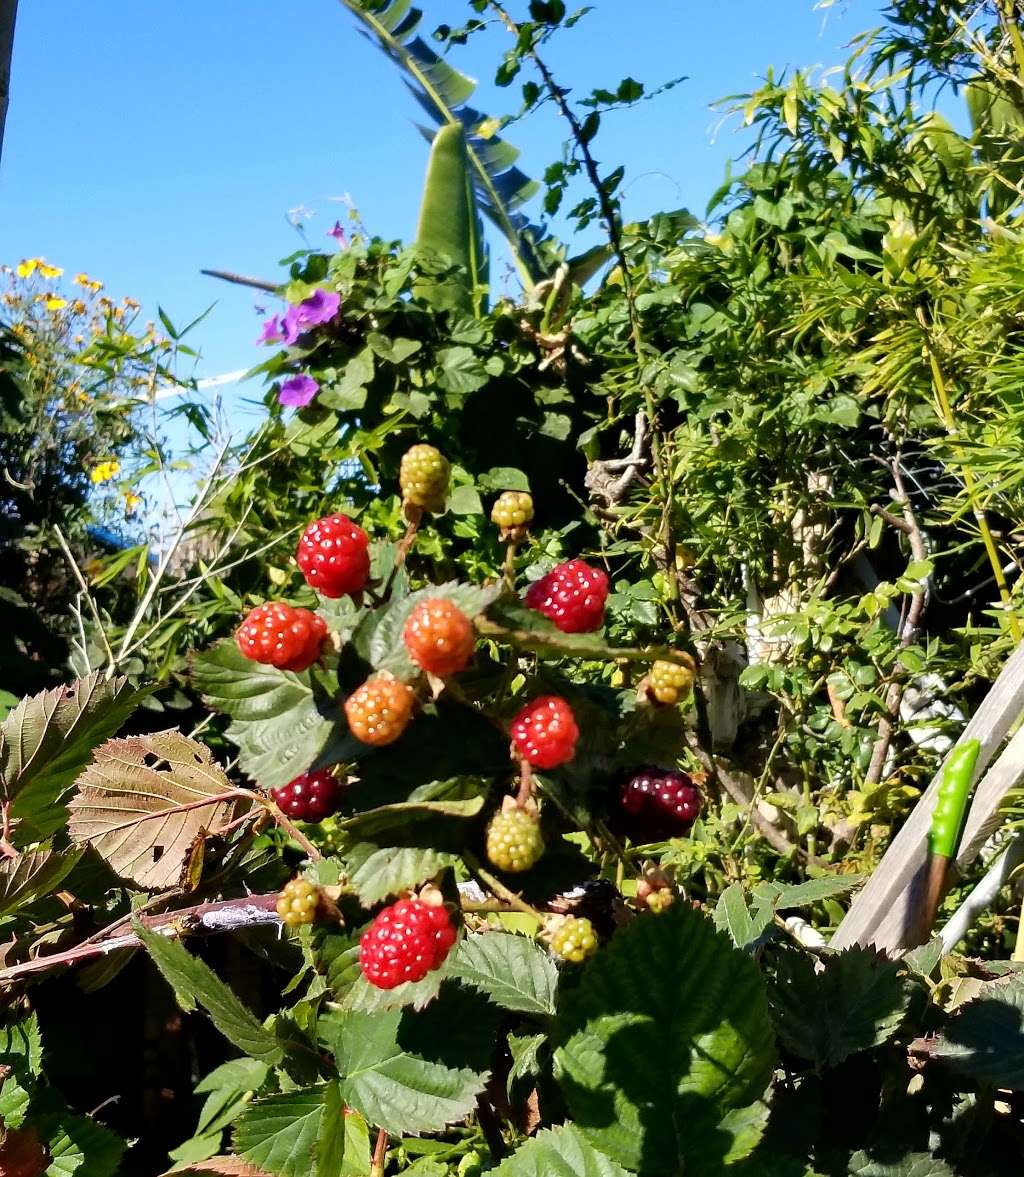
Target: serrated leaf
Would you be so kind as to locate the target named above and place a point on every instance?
(22, 1040)
(559, 1152)
(513, 623)
(734, 917)
(80, 1146)
(14, 1101)
(389, 1086)
(857, 1002)
(362, 997)
(294, 1134)
(282, 723)
(513, 971)
(911, 1164)
(32, 875)
(193, 981)
(814, 890)
(137, 804)
(676, 993)
(379, 637)
(525, 1051)
(47, 740)
(985, 1038)
(376, 872)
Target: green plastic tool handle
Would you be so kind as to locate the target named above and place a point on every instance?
(948, 817)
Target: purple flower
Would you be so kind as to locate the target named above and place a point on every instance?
(298, 391)
(271, 332)
(338, 233)
(320, 307)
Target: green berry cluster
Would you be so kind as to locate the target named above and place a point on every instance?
(297, 903)
(574, 939)
(512, 508)
(423, 477)
(514, 841)
(670, 681)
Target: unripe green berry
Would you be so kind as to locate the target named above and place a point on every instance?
(514, 841)
(574, 939)
(297, 903)
(512, 508)
(423, 477)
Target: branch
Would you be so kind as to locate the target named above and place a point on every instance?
(980, 899)
(242, 280)
(228, 915)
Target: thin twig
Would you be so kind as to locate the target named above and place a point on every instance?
(499, 888)
(73, 563)
(242, 280)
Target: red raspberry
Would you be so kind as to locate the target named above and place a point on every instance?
(658, 803)
(280, 635)
(309, 797)
(405, 942)
(334, 557)
(379, 710)
(439, 637)
(572, 596)
(545, 732)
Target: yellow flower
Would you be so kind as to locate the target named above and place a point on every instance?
(55, 303)
(131, 304)
(28, 267)
(78, 307)
(87, 283)
(105, 471)
(49, 271)
(131, 501)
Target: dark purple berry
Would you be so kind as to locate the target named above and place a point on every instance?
(657, 803)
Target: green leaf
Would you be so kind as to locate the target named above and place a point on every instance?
(14, 1101)
(462, 370)
(143, 802)
(227, 1088)
(513, 971)
(47, 740)
(34, 874)
(857, 1002)
(295, 1134)
(814, 890)
(23, 1040)
(558, 1152)
(465, 500)
(283, 723)
(985, 1038)
(195, 982)
(449, 225)
(391, 1087)
(675, 993)
(80, 1146)
(733, 916)
(911, 1164)
(377, 872)
(500, 478)
(525, 629)
(388, 818)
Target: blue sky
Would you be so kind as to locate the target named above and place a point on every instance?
(146, 141)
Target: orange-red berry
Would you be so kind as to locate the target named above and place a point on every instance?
(439, 637)
(379, 711)
(334, 556)
(545, 733)
(280, 635)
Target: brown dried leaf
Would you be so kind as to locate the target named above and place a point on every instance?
(221, 1167)
(141, 804)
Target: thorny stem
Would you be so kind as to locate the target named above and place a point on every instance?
(414, 517)
(613, 228)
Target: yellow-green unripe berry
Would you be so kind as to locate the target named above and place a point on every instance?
(514, 841)
(574, 939)
(670, 681)
(423, 477)
(512, 508)
(297, 903)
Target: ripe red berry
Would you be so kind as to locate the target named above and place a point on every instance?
(439, 637)
(334, 556)
(545, 732)
(280, 635)
(379, 710)
(572, 596)
(309, 797)
(405, 942)
(658, 803)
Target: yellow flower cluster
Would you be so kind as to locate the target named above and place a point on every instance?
(105, 471)
(88, 283)
(30, 265)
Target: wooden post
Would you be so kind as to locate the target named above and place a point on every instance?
(8, 13)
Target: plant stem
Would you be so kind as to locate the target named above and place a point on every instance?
(499, 888)
(380, 1151)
